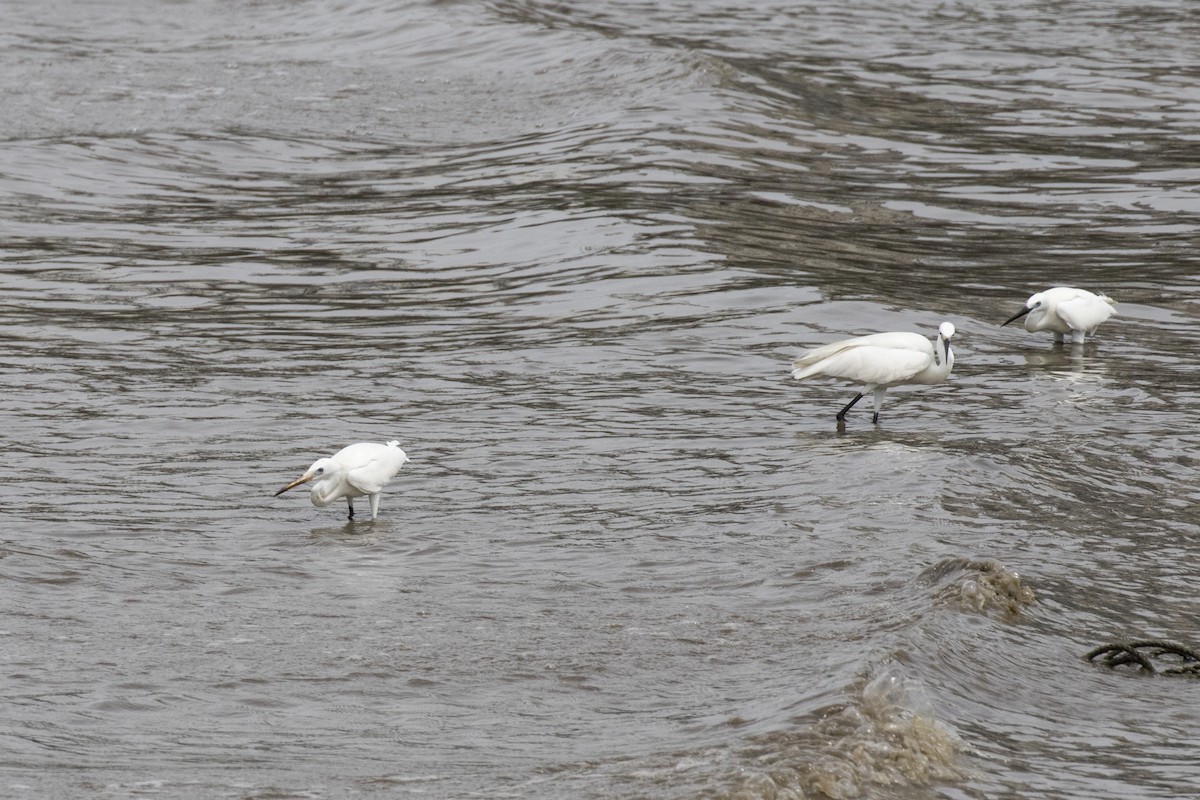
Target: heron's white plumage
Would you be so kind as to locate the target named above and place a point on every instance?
(358, 470)
(880, 361)
(1065, 310)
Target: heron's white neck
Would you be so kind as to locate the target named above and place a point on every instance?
(325, 489)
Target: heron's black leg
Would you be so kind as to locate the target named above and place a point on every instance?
(350, 503)
(875, 418)
(841, 417)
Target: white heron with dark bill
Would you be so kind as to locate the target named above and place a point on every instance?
(880, 361)
(1066, 311)
(359, 470)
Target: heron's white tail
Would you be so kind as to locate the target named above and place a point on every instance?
(810, 363)
(1106, 298)
(393, 444)
(800, 374)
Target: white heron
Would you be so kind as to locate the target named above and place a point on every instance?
(354, 471)
(880, 361)
(1065, 310)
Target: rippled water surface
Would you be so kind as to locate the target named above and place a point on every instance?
(564, 252)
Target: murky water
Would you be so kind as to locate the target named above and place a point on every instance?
(564, 252)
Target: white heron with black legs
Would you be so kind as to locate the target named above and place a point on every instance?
(359, 470)
(1066, 311)
(880, 361)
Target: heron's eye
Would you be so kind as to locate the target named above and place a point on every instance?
(322, 469)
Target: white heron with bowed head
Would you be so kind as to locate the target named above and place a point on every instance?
(354, 471)
(881, 361)
(1065, 310)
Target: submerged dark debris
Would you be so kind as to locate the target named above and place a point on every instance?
(1173, 659)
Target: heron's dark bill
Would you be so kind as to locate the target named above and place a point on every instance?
(1016, 316)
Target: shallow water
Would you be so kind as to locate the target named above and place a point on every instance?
(564, 253)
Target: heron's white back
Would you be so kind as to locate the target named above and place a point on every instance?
(369, 466)
(871, 365)
(900, 340)
(1065, 309)
(880, 359)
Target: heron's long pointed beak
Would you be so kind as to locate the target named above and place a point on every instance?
(302, 479)
(1016, 316)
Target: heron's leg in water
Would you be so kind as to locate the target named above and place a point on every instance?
(350, 503)
(879, 393)
(841, 416)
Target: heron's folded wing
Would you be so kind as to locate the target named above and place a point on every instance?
(871, 365)
(896, 340)
(371, 476)
(1084, 313)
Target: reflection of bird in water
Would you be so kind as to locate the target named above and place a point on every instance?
(354, 471)
(1065, 310)
(880, 361)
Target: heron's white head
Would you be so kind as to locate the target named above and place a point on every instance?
(1032, 304)
(945, 357)
(404, 459)
(321, 470)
